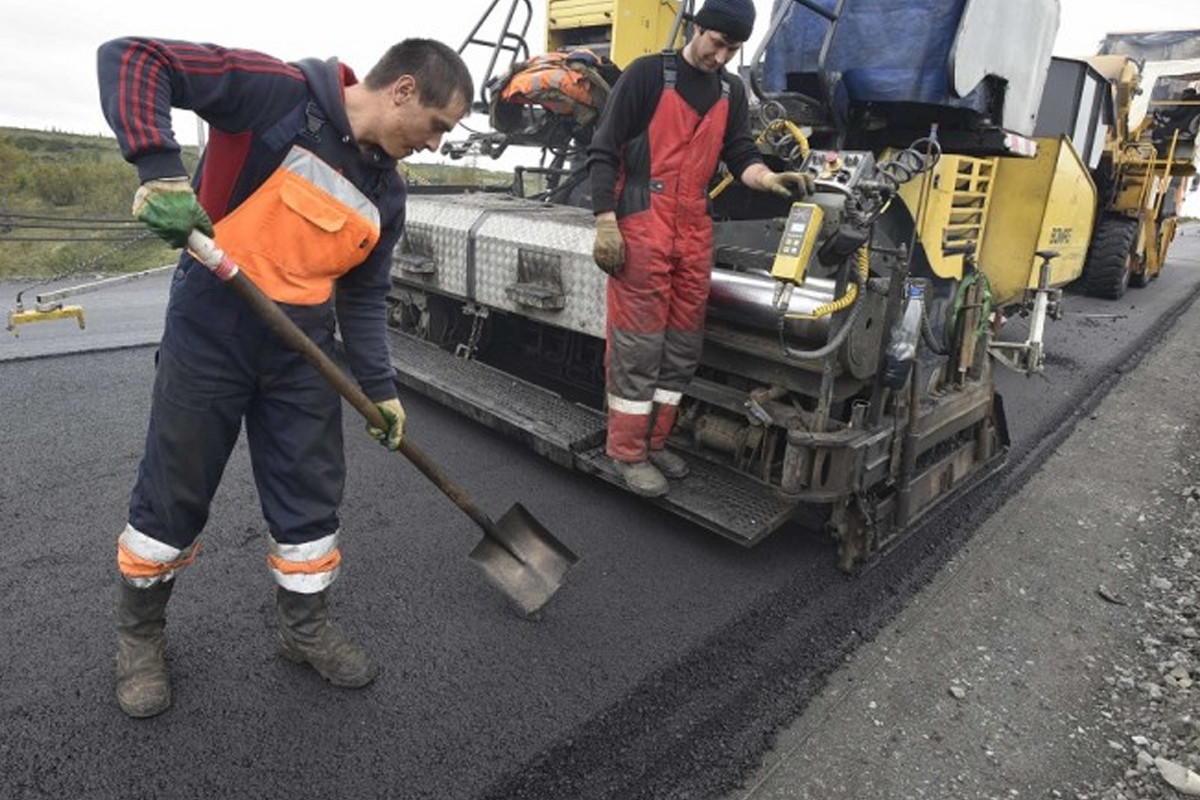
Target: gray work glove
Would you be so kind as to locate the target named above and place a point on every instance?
(609, 248)
(801, 184)
(169, 207)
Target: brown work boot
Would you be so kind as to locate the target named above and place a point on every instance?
(307, 636)
(669, 464)
(143, 685)
(643, 478)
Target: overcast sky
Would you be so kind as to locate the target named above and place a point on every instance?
(47, 47)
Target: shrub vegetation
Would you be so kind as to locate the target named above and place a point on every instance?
(65, 198)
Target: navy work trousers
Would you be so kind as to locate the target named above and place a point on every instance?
(218, 364)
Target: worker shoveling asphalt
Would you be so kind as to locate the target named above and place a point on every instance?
(517, 554)
(300, 183)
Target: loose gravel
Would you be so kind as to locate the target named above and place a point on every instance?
(1152, 712)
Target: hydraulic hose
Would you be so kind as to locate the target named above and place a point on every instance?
(843, 302)
(927, 336)
(795, 154)
(957, 307)
(838, 338)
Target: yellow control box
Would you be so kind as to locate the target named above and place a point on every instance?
(796, 245)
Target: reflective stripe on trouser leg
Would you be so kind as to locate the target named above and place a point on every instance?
(683, 341)
(632, 369)
(294, 432)
(628, 428)
(195, 419)
(144, 561)
(305, 568)
(666, 408)
(681, 356)
(638, 300)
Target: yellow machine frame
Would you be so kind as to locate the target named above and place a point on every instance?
(630, 28)
(1045, 203)
(954, 210)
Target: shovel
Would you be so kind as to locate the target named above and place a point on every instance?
(517, 554)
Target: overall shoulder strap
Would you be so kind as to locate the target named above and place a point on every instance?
(305, 119)
(670, 69)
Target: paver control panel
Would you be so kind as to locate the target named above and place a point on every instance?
(796, 245)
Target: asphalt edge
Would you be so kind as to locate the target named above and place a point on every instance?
(720, 756)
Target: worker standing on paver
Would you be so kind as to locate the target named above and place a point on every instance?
(300, 183)
(669, 119)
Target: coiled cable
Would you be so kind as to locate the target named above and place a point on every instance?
(839, 338)
(920, 156)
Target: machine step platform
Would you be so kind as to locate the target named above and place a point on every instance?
(571, 435)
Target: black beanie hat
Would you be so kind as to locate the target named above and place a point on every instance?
(734, 18)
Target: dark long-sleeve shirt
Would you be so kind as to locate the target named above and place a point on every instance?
(257, 106)
(632, 104)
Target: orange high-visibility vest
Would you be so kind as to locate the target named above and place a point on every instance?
(303, 228)
(562, 83)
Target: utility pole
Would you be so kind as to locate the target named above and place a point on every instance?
(201, 134)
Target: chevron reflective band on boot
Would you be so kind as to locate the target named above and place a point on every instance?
(144, 561)
(305, 568)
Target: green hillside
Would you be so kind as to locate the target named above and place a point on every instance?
(65, 198)
(64, 207)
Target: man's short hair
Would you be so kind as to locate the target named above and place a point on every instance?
(439, 71)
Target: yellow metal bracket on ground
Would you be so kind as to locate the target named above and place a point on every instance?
(23, 317)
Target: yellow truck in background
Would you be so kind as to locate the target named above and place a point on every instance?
(1148, 157)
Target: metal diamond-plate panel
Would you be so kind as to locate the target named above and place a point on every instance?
(554, 427)
(504, 230)
(712, 496)
(438, 227)
(562, 234)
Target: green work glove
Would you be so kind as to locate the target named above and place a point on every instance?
(169, 207)
(778, 182)
(609, 248)
(393, 412)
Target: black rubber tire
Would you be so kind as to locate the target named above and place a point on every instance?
(1106, 271)
(1142, 279)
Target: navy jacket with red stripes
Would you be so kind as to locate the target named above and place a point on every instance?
(257, 107)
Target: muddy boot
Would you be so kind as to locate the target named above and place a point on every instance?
(143, 686)
(643, 478)
(669, 464)
(307, 636)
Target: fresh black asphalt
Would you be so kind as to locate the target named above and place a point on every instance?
(660, 670)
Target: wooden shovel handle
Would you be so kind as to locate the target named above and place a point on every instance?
(209, 254)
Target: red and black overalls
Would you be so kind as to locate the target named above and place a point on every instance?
(656, 304)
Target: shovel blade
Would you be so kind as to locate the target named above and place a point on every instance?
(531, 577)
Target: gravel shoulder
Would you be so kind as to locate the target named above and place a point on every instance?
(1057, 655)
